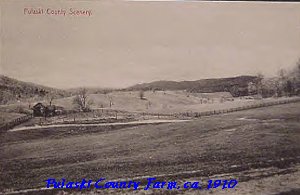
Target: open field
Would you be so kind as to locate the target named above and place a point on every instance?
(240, 141)
(109, 115)
(161, 101)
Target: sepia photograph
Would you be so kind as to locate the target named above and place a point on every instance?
(149, 97)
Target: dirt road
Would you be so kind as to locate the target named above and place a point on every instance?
(141, 122)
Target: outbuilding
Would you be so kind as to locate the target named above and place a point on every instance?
(39, 110)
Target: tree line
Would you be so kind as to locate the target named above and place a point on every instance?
(285, 83)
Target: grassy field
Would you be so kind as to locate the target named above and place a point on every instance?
(161, 102)
(164, 102)
(245, 140)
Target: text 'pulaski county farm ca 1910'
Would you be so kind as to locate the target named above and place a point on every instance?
(57, 12)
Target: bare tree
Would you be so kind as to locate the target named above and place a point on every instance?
(148, 105)
(110, 101)
(142, 95)
(81, 100)
(282, 76)
(298, 68)
(297, 77)
(292, 80)
(295, 74)
(259, 86)
(50, 99)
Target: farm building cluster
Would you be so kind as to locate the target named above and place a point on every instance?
(41, 110)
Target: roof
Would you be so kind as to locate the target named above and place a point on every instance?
(38, 105)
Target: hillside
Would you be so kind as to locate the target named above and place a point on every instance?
(13, 90)
(236, 85)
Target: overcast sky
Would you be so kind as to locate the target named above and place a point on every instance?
(124, 43)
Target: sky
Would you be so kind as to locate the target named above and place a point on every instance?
(127, 42)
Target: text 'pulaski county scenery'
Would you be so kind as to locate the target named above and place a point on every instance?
(57, 12)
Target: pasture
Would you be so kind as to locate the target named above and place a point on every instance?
(262, 138)
(159, 101)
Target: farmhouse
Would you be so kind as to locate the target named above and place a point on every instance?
(40, 110)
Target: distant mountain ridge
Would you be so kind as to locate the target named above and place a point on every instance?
(236, 85)
(13, 90)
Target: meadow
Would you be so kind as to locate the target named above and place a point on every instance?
(260, 138)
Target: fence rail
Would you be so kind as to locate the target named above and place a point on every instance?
(222, 111)
(181, 115)
(15, 122)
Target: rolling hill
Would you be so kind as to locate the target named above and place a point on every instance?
(13, 90)
(236, 85)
